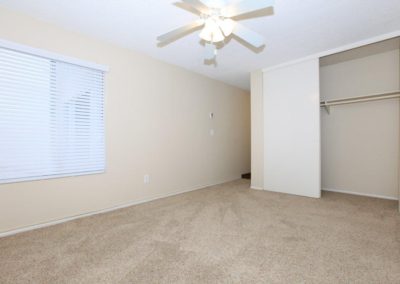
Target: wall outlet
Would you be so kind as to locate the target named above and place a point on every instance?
(212, 132)
(146, 179)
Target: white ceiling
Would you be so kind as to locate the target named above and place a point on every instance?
(298, 28)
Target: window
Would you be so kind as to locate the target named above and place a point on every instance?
(51, 117)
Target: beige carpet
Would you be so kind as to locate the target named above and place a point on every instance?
(223, 234)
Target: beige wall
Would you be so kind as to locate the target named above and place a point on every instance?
(156, 123)
(257, 130)
(360, 142)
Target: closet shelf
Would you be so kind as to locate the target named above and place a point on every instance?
(375, 97)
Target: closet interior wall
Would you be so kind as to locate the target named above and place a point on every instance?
(360, 141)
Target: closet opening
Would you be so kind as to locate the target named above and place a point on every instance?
(360, 120)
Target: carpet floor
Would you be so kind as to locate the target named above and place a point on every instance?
(221, 234)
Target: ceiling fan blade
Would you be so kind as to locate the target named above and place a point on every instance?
(246, 6)
(209, 51)
(198, 5)
(249, 36)
(180, 31)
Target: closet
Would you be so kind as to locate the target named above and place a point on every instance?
(329, 121)
(360, 121)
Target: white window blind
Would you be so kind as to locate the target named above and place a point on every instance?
(51, 118)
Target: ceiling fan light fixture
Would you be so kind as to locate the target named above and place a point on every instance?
(211, 31)
(216, 22)
(227, 26)
(205, 34)
(217, 36)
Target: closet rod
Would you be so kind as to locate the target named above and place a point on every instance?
(375, 97)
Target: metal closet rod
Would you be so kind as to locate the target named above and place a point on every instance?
(375, 97)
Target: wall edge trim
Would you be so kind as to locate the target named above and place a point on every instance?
(109, 209)
(256, 188)
(335, 50)
(360, 194)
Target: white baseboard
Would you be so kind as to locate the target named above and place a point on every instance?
(125, 205)
(361, 194)
(256, 188)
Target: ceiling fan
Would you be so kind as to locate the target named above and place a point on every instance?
(218, 22)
